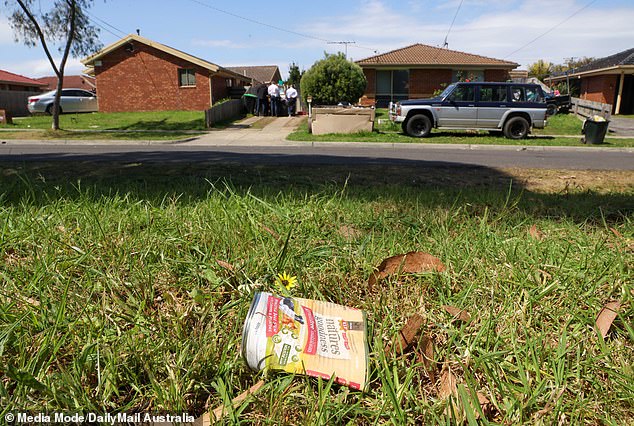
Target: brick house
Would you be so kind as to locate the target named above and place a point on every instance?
(85, 82)
(259, 74)
(138, 74)
(608, 80)
(417, 71)
(14, 91)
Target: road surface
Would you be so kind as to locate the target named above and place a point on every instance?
(331, 153)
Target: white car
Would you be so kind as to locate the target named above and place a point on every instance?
(72, 100)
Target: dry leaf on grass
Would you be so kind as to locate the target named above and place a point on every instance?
(426, 356)
(412, 263)
(448, 383)
(406, 336)
(459, 314)
(271, 232)
(606, 317)
(226, 265)
(536, 233)
(616, 233)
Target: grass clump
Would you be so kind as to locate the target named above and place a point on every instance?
(113, 298)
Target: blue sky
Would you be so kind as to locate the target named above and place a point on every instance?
(497, 28)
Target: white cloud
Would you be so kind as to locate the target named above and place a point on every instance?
(42, 68)
(6, 32)
(592, 32)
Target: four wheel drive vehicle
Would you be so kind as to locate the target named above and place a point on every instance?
(512, 108)
(72, 100)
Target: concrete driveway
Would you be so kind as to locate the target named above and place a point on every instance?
(620, 126)
(255, 131)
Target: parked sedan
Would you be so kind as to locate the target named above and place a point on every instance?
(72, 100)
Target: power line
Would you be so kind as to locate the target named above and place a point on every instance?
(264, 24)
(445, 44)
(551, 29)
(94, 18)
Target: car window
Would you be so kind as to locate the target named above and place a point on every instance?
(533, 95)
(493, 94)
(463, 93)
(518, 94)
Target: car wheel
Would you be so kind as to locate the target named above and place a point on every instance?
(551, 109)
(516, 128)
(49, 109)
(418, 126)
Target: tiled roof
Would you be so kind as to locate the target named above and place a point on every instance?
(261, 74)
(422, 54)
(74, 81)
(625, 57)
(9, 77)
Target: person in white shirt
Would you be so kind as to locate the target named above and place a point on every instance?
(274, 93)
(291, 99)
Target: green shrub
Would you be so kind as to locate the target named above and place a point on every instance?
(332, 80)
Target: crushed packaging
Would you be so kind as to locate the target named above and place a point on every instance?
(304, 336)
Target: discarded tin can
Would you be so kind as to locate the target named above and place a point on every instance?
(304, 336)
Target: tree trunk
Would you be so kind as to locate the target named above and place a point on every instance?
(56, 102)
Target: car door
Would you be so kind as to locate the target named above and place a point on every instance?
(70, 101)
(492, 104)
(458, 109)
(87, 101)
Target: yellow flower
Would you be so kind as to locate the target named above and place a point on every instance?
(285, 280)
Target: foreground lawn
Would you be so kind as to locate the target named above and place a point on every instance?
(388, 132)
(113, 299)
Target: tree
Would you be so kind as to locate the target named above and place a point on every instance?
(540, 69)
(572, 63)
(65, 23)
(332, 80)
(294, 75)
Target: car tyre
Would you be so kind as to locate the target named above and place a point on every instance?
(516, 128)
(551, 109)
(49, 109)
(418, 126)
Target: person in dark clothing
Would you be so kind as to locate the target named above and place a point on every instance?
(261, 106)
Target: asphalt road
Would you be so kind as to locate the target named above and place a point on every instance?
(330, 153)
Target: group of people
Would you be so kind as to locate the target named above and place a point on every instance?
(269, 99)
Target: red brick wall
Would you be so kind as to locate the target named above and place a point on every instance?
(370, 88)
(147, 80)
(496, 75)
(599, 88)
(219, 88)
(423, 83)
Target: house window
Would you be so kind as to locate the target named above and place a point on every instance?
(229, 82)
(392, 85)
(467, 75)
(186, 77)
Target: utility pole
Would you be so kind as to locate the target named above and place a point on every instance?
(346, 43)
(568, 62)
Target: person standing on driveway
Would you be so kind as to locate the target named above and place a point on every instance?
(274, 93)
(261, 92)
(291, 99)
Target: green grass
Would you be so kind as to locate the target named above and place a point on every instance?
(112, 299)
(159, 125)
(388, 132)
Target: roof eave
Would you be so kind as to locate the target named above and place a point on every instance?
(430, 66)
(90, 60)
(607, 70)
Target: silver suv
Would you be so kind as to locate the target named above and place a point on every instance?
(512, 108)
